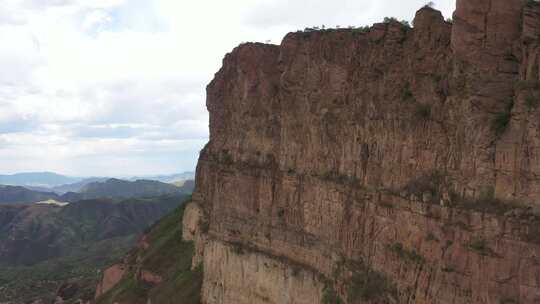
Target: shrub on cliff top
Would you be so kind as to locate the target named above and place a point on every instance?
(393, 19)
(361, 29)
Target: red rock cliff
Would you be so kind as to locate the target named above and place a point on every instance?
(376, 166)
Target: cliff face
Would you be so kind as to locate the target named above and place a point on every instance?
(376, 166)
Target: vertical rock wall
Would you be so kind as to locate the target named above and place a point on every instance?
(358, 164)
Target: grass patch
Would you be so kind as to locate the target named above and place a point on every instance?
(410, 255)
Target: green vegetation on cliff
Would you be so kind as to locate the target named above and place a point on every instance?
(167, 256)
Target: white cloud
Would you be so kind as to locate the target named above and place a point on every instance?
(96, 87)
(96, 18)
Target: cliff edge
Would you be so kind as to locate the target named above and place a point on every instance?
(389, 165)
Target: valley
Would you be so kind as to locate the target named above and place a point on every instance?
(53, 244)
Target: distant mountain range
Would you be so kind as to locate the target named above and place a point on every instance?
(76, 187)
(22, 195)
(43, 181)
(38, 179)
(109, 188)
(117, 188)
(167, 178)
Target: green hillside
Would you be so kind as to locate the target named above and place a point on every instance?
(169, 257)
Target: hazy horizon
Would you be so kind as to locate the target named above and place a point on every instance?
(96, 176)
(117, 87)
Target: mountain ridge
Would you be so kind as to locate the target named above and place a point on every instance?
(51, 180)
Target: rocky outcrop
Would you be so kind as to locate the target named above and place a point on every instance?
(111, 277)
(236, 275)
(395, 165)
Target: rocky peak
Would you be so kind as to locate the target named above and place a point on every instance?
(430, 28)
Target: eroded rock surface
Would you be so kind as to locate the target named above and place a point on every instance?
(384, 166)
(111, 276)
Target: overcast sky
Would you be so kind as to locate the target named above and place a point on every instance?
(117, 87)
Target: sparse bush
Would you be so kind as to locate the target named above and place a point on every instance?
(501, 122)
(390, 19)
(339, 178)
(531, 100)
(386, 205)
(432, 183)
(393, 19)
(226, 157)
(405, 23)
(481, 247)
(407, 95)
(448, 268)
(330, 296)
(361, 29)
(489, 204)
(527, 85)
(431, 237)
(238, 249)
(370, 285)
(404, 253)
(430, 4)
(422, 111)
(502, 119)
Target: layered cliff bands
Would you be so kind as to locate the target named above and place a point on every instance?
(383, 166)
